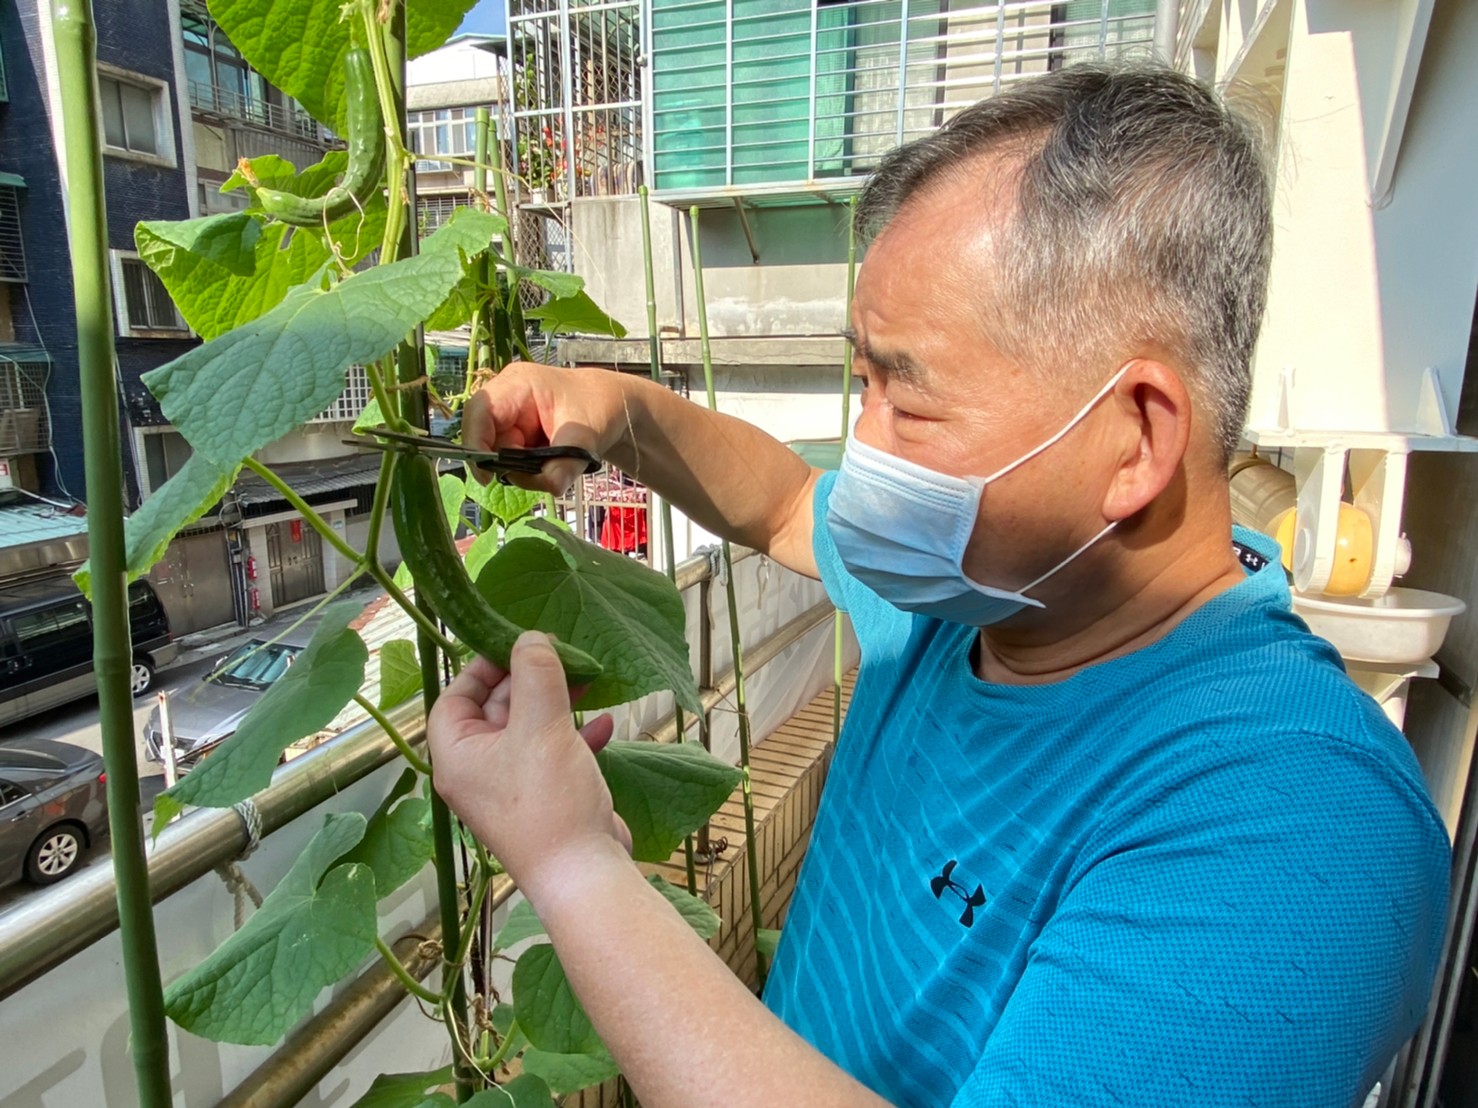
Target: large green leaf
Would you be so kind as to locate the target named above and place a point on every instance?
(177, 503)
(628, 617)
(405, 1090)
(505, 503)
(664, 791)
(251, 386)
(400, 672)
(524, 1091)
(226, 270)
(482, 550)
(397, 842)
(569, 1073)
(546, 1007)
(522, 923)
(299, 45)
(767, 940)
(577, 314)
(453, 493)
(555, 282)
(303, 700)
(700, 914)
(316, 926)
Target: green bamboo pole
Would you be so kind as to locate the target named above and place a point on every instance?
(483, 352)
(654, 349)
(410, 364)
(838, 636)
(751, 854)
(76, 55)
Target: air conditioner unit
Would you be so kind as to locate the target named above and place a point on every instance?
(18, 472)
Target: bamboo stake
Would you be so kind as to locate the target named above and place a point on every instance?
(751, 849)
(483, 351)
(76, 53)
(654, 349)
(838, 633)
(410, 364)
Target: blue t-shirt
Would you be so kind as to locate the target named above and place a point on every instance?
(1206, 873)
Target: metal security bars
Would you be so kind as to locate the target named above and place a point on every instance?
(750, 97)
(351, 401)
(24, 424)
(577, 97)
(12, 248)
(147, 305)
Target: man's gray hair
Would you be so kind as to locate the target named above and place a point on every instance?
(1143, 216)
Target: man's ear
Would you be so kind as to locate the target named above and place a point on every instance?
(1153, 430)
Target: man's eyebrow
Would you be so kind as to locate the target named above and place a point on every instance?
(895, 364)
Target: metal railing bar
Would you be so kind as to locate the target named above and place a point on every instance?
(49, 928)
(313, 1050)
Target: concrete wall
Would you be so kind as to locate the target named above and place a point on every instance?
(797, 287)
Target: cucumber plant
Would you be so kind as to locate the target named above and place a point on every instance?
(278, 294)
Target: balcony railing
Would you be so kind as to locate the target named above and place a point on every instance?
(770, 96)
(233, 105)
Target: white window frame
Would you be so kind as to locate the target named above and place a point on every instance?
(126, 329)
(163, 117)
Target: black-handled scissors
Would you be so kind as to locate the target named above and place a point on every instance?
(511, 459)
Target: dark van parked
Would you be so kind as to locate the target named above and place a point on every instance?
(46, 644)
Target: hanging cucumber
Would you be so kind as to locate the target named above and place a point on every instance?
(366, 169)
(425, 541)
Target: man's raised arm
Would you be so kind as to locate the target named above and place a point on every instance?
(728, 476)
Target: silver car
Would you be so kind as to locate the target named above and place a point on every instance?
(53, 806)
(211, 712)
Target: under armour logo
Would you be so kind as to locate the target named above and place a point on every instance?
(946, 880)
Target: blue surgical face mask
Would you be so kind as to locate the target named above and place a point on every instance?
(901, 529)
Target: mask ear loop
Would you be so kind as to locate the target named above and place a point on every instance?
(1026, 588)
(1066, 427)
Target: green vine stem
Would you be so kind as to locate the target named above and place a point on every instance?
(368, 563)
(397, 160)
(403, 975)
(736, 645)
(417, 762)
(496, 1059)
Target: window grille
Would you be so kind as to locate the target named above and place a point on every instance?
(351, 401)
(782, 94)
(577, 96)
(25, 427)
(146, 301)
(449, 375)
(12, 249)
(435, 209)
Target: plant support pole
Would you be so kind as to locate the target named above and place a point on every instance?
(410, 365)
(669, 550)
(76, 55)
(736, 645)
(838, 635)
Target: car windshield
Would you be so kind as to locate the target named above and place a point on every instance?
(256, 665)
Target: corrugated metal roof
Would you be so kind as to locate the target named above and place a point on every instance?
(25, 523)
(310, 480)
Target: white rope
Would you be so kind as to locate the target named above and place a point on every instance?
(237, 883)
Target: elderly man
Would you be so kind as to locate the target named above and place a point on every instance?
(1107, 825)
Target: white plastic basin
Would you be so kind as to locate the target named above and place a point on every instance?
(1405, 626)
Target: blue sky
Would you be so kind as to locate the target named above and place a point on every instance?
(486, 18)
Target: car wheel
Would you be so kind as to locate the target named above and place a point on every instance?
(141, 676)
(55, 854)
